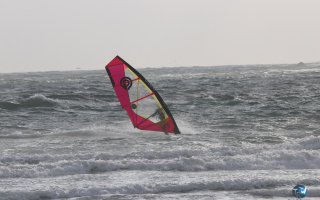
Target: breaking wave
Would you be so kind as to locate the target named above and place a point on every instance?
(250, 184)
(281, 156)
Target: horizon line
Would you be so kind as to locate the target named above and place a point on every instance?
(159, 67)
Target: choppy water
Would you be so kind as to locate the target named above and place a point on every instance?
(249, 132)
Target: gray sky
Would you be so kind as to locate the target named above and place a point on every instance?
(41, 35)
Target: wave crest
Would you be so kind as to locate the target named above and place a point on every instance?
(36, 100)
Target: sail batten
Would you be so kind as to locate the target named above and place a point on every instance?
(145, 107)
(141, 98)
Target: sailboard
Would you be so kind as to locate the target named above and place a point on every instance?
(145, 107)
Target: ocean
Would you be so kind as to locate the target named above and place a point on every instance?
(247, 132)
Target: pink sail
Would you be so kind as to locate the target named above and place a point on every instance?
(145, 107)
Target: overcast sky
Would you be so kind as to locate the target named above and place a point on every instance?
(41, 35)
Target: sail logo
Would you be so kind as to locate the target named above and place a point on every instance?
(126, 83)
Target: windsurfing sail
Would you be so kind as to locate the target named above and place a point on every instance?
(144, 105)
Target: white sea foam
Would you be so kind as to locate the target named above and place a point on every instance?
(206, 158)
(155, 183)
